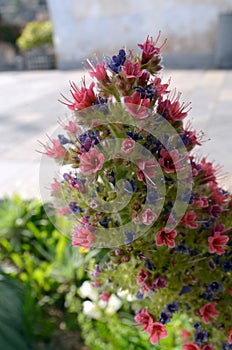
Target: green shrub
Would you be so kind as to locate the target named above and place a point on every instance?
(35, 34)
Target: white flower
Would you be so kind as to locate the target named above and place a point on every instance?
(88, 291)
(91, 310)
(114, 305)
(126, 295)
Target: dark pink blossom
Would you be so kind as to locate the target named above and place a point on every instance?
(83, 97)
(190, 346)
(217, 243)
(144, 318)
(137, 106)
(157, 331)
(149, 49)
(189, 219)
(143, 275)
(91, 161)
(185, 334)
(159, 283)
(172, 109)
(82, 237)
(160, 88)
(200, 201)
(208, 312)
(132, 69)
(166, 237)
(215, 210)
(128, 145)
(148, 216)
(208, 347)
(170, 161)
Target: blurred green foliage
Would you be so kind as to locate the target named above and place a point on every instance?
(40, 275)
(35, 34)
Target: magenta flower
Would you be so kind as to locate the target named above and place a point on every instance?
(132, 69)
(128, 145)
(217, 243)
(63, 211)
(55, 186)
(208, 311)
(148, 216)
(208, 347)
(189, 219)
(149, 49)
(200, 201)
(143, 276)
(190, 346)
(170, 161)
(137, 106)
(83, 97)
(157, 331)
(172, 109)
(105, 297)
(82, 237)
(91, 161)
(166, 237)
(215, 210)
(144, 318)
(159, 283)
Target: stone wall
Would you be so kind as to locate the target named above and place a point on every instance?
(82, 28)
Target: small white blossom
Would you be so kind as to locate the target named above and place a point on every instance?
(91, 310)
(88, 291)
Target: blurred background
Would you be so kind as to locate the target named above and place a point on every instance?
(43, 45)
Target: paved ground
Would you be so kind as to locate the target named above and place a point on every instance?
(29, 110)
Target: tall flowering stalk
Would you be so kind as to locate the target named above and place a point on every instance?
(134, 186)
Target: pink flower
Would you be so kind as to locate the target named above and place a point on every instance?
(82, 236)
(208, 171)
(56, 150)
(105, 296)
(63, 211)
(200, 201)
(143, 318)
(189, 219)
(91, 161)
(159, 283)
(172, 109)
(55, 185)
(71, 127)
(217, 243)
(99, 72)
(132, 69)
(190, 346)
(146, 287)
(137, 106)
(160, 88)
(147, 167)
(149, 49)
(208, 311)
(148, 217)
(143, 276)
(128, 145)
(157, 331)
(230, 336)
(83, 97)
(170, 161)
(185, 334)
(166, 237)
(208, 347)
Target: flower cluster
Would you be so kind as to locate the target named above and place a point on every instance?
(131, 183)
